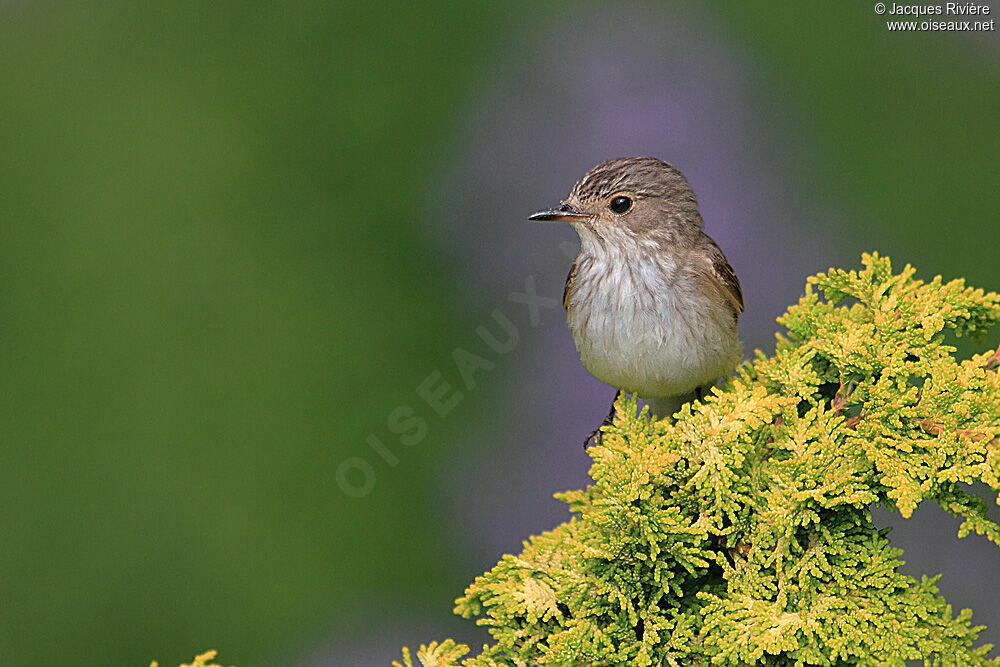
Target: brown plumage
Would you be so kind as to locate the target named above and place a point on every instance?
(651, 300)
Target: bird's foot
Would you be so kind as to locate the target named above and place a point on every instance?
(596, 435)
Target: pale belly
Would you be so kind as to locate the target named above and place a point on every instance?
(654, 342)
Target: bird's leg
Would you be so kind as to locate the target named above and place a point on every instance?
(596, 435)
(665, 407)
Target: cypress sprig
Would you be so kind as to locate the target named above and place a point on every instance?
(740, 532)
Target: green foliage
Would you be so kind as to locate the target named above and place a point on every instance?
(740, 532)
(203, 660)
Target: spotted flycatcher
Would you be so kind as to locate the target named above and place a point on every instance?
(651, 300)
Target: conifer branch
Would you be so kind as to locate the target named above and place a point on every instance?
(740, 532)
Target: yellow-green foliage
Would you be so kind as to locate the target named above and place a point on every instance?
(741, 532)
(203, 660)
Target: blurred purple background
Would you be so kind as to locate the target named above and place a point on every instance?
(576, 87)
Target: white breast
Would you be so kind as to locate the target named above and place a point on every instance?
(642, 326)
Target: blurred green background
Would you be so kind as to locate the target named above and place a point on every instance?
(216, 284)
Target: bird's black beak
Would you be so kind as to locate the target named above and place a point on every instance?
(563, 212)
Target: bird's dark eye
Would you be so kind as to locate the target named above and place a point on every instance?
(620, 204)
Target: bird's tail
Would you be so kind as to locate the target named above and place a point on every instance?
(667, 406)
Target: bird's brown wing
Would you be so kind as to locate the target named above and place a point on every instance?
(724, 276)
(569, 285)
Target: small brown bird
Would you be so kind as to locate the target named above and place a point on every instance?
(651, 300)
